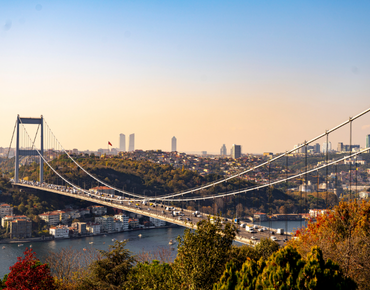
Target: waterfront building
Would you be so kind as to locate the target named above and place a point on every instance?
(117, 225)
(84, 211)
(131, 144)
(51, 218)
(59, 232)
(106, 223)
(260, 216)
(20, 228)
(9, 218)
(80, 227)
(93, 228)
(223, 151)
(173, 144)
(122, 142)
(157, 222)
(5, 209)
(133, 223)
(236, 151)
(124, 219)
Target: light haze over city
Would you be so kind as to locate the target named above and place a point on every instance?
(263, 74)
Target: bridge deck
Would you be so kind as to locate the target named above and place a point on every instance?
(243, 236)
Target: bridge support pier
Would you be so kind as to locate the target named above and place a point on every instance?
(26, 152)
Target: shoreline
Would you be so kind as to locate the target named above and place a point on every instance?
(48, 239)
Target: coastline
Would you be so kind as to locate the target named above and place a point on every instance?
(50, 238)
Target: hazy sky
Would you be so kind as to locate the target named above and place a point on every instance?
(262, 74)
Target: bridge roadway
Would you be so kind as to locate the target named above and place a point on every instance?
(159, 212)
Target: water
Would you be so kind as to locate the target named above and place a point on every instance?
(292, 226)
(150, 240)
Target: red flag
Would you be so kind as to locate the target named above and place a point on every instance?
(110, 143)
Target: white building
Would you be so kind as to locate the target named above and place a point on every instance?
(124, 219)
(5, 209)
(106, 223)
(93, 228)
(51, 218)
(157, 222)
(59, 232)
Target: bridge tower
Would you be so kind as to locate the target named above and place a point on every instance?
(18, 152)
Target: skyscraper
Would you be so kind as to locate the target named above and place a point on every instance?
(173, 144)
(223, 151)
(131, 144)
(122, 142)
(340, 147)
(324, 147)
(367, 141)
(236, 151)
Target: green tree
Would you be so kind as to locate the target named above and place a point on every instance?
(153, 275)
(110, 272)
(202, 254)
(286, 269)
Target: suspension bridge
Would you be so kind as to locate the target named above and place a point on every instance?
(155, 206)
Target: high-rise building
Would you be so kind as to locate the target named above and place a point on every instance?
(316, 148)
(173, 144)
(236, 151)
(324, 146)
(367, 141)
(122, 142)
(340, 147)
(223, 151)
(131, 144)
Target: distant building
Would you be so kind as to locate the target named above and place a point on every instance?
(260, 216)
(204, 153)
(131, 144)
(223, 151)
(20, 228)
(316, 148)
(326, 147)
(157, 222)
(368, 141)
(133, 223)
(268, 154)
(9, 218)
(340, 147)
(5, 209)
(106, 223)
(124, 219)
(173, 144)
(51, 218)
(59, 232)
(236, 151)
(122, 142)
(93, 228)
(98, 209)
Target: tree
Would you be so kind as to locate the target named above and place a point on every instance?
(29, 273)
(286, 269)
(202, 254)
(343, 234)
(153, 275)
(110, 272)
(69, 266)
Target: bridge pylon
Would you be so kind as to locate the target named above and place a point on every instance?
(26, 152)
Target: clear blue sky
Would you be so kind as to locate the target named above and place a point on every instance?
(207, 72)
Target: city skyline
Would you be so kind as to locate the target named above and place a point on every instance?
(211, 73)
